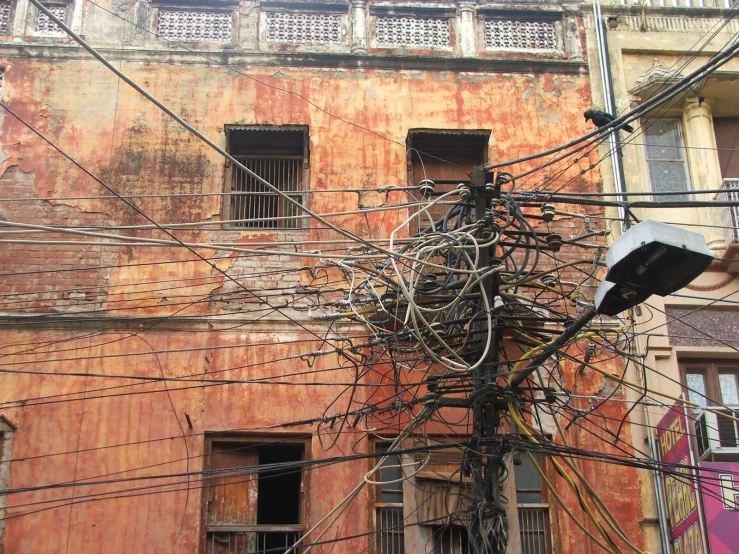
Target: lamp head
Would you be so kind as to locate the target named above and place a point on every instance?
(657, 258)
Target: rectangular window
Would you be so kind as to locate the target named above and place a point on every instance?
(303, 28)
(712, 383)
(47, 26)
(279, 155)
(194, 26)
(389, 505)
(520, 35)
(726, 130)
(451, 539)
(417, 32)
(257, 505)
(533, 509)
(665, 148)
(717, 385)
(4, 17)
(445, 157)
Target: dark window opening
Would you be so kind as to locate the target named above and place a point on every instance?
(279, 489)
(444, 157)
(279, 155)
(255, 507)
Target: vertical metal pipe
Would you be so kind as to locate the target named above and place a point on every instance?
(613, 138)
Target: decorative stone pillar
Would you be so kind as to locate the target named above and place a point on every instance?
(21, 16)
(705, 171)
(359, 26)
(467, 31)
(75, 22)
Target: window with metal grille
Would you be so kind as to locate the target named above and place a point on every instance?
(419, 32)
(665, 149)
(520, 35)
(278, 155)
(253, 503)
(389, 518)
(4, 17)
(194, 26)
(450, 539)
(533, 509)
(45, 25)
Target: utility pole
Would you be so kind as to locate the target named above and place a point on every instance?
(488, 530)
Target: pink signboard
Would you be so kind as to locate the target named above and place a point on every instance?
(720, 491)
(681, 499)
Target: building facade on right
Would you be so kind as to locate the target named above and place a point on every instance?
(680, 158)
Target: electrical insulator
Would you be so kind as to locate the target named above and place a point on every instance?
(427, 187)
(464, 191)
(547, 211)
(490, 187)
(549, 280)
(555, 241)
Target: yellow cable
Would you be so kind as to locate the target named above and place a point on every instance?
(583, 504)
(554, 493)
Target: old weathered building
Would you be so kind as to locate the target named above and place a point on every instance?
(685, 151)
(161, 308)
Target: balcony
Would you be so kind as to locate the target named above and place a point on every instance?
(730, 214)
(730, 222)
(726, 4)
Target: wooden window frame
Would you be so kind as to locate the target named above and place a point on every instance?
(443, 185)
(711, 369)
(257, 441)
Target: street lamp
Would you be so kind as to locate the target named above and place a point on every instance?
(649, 258)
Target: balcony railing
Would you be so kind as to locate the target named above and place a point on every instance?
(254, 205)
(682, 3)
(252, 539)
(730, 214)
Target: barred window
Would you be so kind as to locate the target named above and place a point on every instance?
(412, 31)
(4, 17)
(665, 149)
(533, 509)
(45, 25)
(279, 155)
(389, 518)
(450, 539)
(301, 28)
(194, 26)
(520, 35)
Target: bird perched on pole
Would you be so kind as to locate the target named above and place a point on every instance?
(601, 119)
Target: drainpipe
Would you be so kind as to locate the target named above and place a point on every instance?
(613, 138)
(618, 177)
